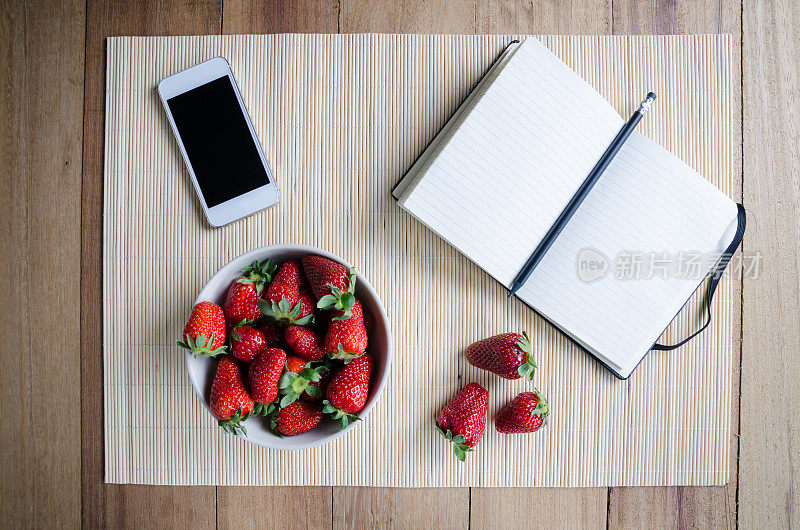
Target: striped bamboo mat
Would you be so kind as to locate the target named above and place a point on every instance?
(341, 117)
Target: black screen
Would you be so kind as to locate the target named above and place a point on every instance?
(218, 142)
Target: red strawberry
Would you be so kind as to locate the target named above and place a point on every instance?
(463, 420)
(323, 273)
(294, 364)
(273, 334)
(369, 322)
(305, 342)
(525, 413)
(347, 337)
(297, 418)
(507, 355)
(331, 282)
(241, 302)
(348, 390)
(229, 400)
(299, 379)
(246, 342)
(265, 371)
(204, 333)
(288, 299)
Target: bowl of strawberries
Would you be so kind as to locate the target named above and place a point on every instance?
(288, 346)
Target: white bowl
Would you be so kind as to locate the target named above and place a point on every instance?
(202, 369)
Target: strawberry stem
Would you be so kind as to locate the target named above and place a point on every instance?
(339, 300)
(459, 447)
(345, 418)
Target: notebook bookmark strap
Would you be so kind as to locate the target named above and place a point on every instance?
(716, 275)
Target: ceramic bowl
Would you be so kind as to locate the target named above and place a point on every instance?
(202, 369)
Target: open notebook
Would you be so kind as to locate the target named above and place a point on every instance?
(500, 172)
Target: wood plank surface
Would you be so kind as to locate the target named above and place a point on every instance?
(53, 449)
(41, 111)
(769, 464)
(109, 504)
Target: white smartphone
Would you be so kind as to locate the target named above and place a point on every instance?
(219, 145)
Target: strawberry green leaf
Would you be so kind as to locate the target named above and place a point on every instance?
(459, 447)
(286, 380)
(282, 312)
(310, 374)
(202, 347)
(234, 424)
(313, 391)
(344, 418)
(339, 300)
(541, 409)
(264, 409)
(288, 399)
(258, 274)
(343, 355)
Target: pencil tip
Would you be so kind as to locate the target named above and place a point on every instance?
(514, 289)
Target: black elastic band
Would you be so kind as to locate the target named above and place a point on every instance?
(716, 275)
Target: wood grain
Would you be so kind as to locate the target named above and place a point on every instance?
(40, 152)
(547, 18)
(401, 508)
(41, 79)
(687, 507)
(109, 504)
(501, 508)
(280, 16)
(397, 16)
(769, 486)
(273, 507)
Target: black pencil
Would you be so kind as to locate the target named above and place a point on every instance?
(580, 195)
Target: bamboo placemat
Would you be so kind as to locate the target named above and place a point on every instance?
(341, 117)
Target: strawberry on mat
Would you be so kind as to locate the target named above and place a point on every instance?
(288, 299)
(463, 420)
(264, 373)
(525, 413)
(204, 333)
(246, 342)
(346, 338)
(229, 400)
(508, 355)
(241, 302)
(348, 390)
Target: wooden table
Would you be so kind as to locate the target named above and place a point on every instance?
(51, 112)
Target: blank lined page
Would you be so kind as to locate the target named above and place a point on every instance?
(504, 175)
(648, 211)
(423, 162)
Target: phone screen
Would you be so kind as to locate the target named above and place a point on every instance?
(217, 141)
